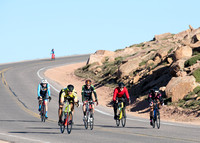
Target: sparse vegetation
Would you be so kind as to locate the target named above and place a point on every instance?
(143, 63)
(170, 50)
(192, 61)
(196, 74)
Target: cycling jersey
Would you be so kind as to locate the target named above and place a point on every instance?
(118, 93)
(66, 96)
(152, 97)
(43, 90)
(87, 93)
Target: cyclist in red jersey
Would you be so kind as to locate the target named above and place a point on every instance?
(119, 96)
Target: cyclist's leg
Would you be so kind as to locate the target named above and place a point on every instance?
(72, 108)
(115, 110)
(151, 113)
(84, 109)
(60, 109)
(40, 104)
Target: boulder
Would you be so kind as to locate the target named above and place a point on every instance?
(182, 34)
(136, 79)
(176, 67)
(157, 60)
(195, 45)
(178, 87)
(162, 36)
(128, 67)
(183, 52)
(100, 56)
(162, 52)
(169, 60)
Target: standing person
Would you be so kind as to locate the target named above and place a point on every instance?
(154, 94)
(44, 94)
(87, 91)
(119, 95)
(52, 54)
(68, 94)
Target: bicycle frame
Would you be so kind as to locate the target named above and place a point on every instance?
(120, 109)
(67, 110)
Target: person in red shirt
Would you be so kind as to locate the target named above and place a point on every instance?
(119, 96)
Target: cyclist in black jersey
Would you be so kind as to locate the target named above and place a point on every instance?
(87, 90)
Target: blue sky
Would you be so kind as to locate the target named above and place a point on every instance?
(29, 29)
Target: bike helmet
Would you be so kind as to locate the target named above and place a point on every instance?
(88, 82)
(70, 88)
(121, 85)
(44, 81)
(156, 89)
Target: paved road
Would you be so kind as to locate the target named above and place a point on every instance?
(19, 119)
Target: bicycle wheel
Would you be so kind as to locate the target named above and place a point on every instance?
(91, 121)
(123, 120)
(158, 120)
(69, 122)
(43, 113)
(86, 120)
(62, 126)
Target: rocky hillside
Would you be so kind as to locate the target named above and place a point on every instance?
(169, 61)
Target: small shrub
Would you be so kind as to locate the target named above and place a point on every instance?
(170, 50)
(196, 90)
(139, 45)
(142, 63)
(85, 67)
(119, 50)
(192, 61)
(196, 74)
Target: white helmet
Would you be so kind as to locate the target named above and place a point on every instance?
(44, 81)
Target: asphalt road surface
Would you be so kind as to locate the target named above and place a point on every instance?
(20, 121)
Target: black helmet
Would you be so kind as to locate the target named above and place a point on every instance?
(88, 82)
(155, 89)
(121, 84)
(70, 88)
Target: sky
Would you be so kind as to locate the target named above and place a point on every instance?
(29, 29)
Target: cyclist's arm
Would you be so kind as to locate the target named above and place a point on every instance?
(82, 93)
(160, 98)
(126, 92)
(62, 96)
(115, 94)
(38, 90)
(75, 96)
(48, 88)
(150, 98)
(95, 94)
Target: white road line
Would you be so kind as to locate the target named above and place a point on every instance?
(19, 137)
(102, 112)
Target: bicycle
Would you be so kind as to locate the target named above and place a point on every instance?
(156, 115)
(67, 118)
(89, 115)
(43, 110)
(121, 114)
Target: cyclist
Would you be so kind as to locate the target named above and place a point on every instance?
(52, 54)
(87, 90)
(67, 94)
(44, 94)
(154, 94)
(52, 51)
(119, 95)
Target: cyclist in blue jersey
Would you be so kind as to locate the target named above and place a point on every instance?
(44, 93)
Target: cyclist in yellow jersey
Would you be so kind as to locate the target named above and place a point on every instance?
(67, 94)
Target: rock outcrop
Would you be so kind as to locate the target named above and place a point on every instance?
(183, 52)
(100, 56)
(178, 87)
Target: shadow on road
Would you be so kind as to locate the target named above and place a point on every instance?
(18, 121)
(23, 132)
(110, 126)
